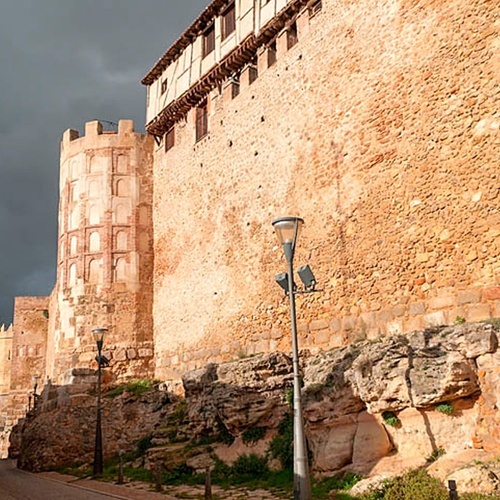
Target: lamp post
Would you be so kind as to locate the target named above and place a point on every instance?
(287, 230)
(98, 334)
(35, 386)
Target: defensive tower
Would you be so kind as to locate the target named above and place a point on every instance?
(105, 255)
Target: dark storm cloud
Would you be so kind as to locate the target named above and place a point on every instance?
(64, 62)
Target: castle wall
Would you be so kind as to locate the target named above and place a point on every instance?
(105, 261)
(190, 62)
(5, 358)
(29, 342)
(380, 128)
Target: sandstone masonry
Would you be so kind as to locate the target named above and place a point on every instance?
(376, 121)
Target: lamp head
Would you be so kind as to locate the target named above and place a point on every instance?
(282, 280)
(287, 230)
(307, 277)
(98, 334)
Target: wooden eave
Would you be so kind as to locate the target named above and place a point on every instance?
(243, 54)
(186, 39)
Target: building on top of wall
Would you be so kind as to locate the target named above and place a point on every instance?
(374, 121)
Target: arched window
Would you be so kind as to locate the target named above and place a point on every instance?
(94, 189)
(73, 248)
(122, 188)
(122, 164)
(121, 214)
(121, 240)
(94, 242)
(72, 275)
(94, 215)
(120, 269)
(95, 270)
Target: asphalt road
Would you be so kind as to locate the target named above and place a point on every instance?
(17, 485)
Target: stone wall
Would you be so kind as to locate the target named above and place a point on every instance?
(380, 127)
(5, 357)
(29, 341)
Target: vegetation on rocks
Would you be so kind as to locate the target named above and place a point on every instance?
(134, 387)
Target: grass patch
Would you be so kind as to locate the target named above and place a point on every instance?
(253, 435)
(135, 387)
(446, 408)
(391, 419)
(435, 455)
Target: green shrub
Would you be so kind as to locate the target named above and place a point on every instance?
(253, 434)
(322, 488)
(446, 408)
(249, 467)
(390, 418)
(435, 455)
(143, 445)
(459, 320)
(415, 485)
(281, 447)
(179, 414)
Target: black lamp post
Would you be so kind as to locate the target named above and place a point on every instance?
(35, 386)
(287, 230)
(98, 334)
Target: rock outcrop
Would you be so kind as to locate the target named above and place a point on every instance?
(375, 407)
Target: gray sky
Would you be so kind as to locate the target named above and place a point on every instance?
(64, 62)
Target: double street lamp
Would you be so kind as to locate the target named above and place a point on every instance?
(98, 334)
(287, 230)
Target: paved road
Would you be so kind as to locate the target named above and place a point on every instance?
(17, 485)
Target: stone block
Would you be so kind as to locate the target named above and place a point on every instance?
(468, 297)
(319, 324)
(145, 353)
(322, 337)
(412, 324)
(417, 308)
(394, 327)
(399, 311)
(349, 323)
(478, 312)
(335, 325)
(384, 316)
(120, 354)
(131, 353)
(277, 333)
(367, 319)
(491, 293)
(441, 302)
(437, 318)
(336, 340)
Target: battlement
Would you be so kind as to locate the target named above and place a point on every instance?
(95, 127)
(96, 137)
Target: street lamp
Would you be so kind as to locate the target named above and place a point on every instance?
(287, 230)
(98, 334)
(35, 386)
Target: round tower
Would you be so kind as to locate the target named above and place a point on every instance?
(105, 255)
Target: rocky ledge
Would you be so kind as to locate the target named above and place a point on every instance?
(375, 408)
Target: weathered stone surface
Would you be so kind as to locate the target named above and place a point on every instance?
(345, 392)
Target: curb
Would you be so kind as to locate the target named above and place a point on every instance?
(72, 482)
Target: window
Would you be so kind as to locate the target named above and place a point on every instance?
(291, 36)
(271, 54)
(201, 120)
(170, 138)
(209, 40)
(164, 86)
(228, 21)
(315, 7)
